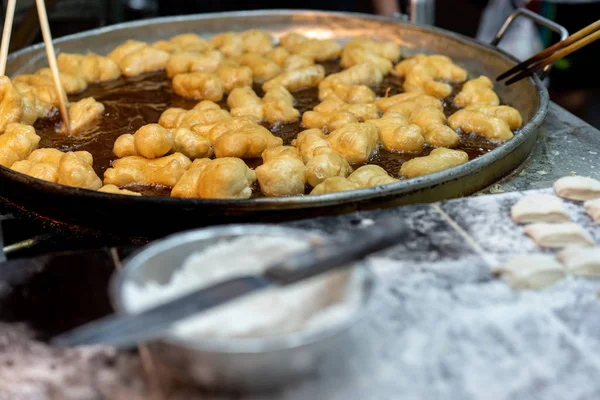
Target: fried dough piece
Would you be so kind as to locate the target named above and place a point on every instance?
(76, 172)
(423, 74)
(354, 56)
(279, 106)
(123, 50)
(476, 122)
(191, 144)
(371, 175)
(17, 142)
(153, 141)
(506, 113)
(226, 126)
(164, 171)
(33, 107)
(249, 141)
(282, 173)
(184, 62)
(145, 59)
(243, 102)
(397, 134)
(188, 42)
(352, 94)
(334, 184)
(199, 85)
(327, 121)
(115, 190)
(438, 160)
(309, 141)
(53, 156)
(360, 74)
(42, 87)
(362, 112)
(315, 49)
(287, 61)
(234, 75)
(477, 91)
(297, 79)
(257, 41)
(92, 67)
(424, 100)
(326, 163)
(262, 68)
(278, 55)
(43, 171)
(223, 178)
(11, 105)
(71, 83)
(206, 117)
(356, 141)
(386, 49)
(229, 43)
(83, 114)
(124, 146)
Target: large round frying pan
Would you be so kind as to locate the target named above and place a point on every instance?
(150, 215)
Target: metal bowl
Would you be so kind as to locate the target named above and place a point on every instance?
(241, 363)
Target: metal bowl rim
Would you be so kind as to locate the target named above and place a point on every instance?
(403, 186)
(241, 345)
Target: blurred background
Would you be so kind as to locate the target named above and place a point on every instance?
(574, 82)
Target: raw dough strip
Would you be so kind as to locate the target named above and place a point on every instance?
(592, 207)
(581, 261)
(577, 188)
(531, 271)
(558, 235)
(539, 208)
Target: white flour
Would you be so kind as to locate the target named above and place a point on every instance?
(309, 305)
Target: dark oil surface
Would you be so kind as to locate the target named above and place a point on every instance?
(133, 102)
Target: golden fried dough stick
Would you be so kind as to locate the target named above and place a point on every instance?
(315, 49)
(191, 144)
(262, 68)
(43, 171)
(361, 111)
(223, 178)
(53, 156)
(135, 58)
(418, 111)
(74, 171)
(287, 61)
(199, 85)
(153, 141)
(477, 91)
(371, 175)
(33, 107)
(92, 67)
(184, 62)
(124, 146)
(229, 43)
(164, 171)
(397, 134)
(11, 105)
(354, 56)
(42, 87)
(257, 41)
(189, 42)
(279, 106)
(326, 163)
(249, 141)
(506, 113)
(229, 125)
(84, 113)
(123, 50)
(309, 141)
(334, 184)
(243, 102)
(360, 74)
(356, 141)
(385, 103)
(438, 160)
(492, 128)
(17, 142)
(282, 173)
(206, 116)
(297, 79)
(71, 83)
(387, 49)
(352, 94)
(234, 75)
(327, 121)
(115, 190)
(422, 74)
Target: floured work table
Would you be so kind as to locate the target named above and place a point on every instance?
(440, 325)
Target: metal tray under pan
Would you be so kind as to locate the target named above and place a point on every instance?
(157, 215)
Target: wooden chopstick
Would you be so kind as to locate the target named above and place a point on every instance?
(558, 55)
(8, 23)
(41, 7)
(550, 50)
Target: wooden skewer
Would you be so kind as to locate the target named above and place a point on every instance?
(41, 7)
(558, 55)
(550, 50)
(8, 23)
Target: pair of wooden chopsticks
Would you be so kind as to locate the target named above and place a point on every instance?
(576, 41)
(8, 22)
